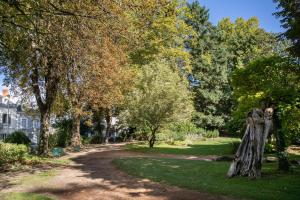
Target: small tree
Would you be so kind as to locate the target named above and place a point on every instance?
(160, 96)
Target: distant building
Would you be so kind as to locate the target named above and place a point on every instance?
(13, 118)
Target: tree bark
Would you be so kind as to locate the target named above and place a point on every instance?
(76, 140)
(249, 156)
(152, 139)
(43, 148)
(283, 163)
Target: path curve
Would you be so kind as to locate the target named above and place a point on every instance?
(92, 176)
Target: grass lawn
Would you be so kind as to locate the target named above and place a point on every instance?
(211, 177)
(216, 146)
(24, 196)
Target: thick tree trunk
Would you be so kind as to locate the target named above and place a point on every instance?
(43, 148)
(283, 163)
(248, 158)
(76, 140)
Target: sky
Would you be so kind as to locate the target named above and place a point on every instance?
(220, 9)
(262, 9)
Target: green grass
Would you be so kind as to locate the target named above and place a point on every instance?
(216, 146)
(35, 179)
(211, 177)
(24, 196)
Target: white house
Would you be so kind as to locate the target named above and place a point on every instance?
(13, 118)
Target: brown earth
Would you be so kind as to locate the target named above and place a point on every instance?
(92, 176)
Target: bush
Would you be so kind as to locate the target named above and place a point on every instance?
(11, 153)
(53, 140)
(18, 137)
(211, 134)
(97, 139)
(179, 132)
(63, 133)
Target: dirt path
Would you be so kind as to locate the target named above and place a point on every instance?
(93, 176)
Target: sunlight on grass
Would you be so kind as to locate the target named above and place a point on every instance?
(35, 179)
(24, 196)
(215, 146)
(211, 177)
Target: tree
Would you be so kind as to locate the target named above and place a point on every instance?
(160, 97)
(290, 18)
(245, 41)
(271, 83)
(42, 41)
(161, 32)
(209, 65)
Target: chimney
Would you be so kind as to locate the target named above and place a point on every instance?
(5, 92)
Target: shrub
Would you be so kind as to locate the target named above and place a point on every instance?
(63, 132)
(53, 140)
(11, 153)
(18, 137)
(179, 132)
(97, 139)
(211, 134)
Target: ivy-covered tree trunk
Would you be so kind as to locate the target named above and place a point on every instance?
(248, 158)
(152, 138)
(43, 148)
(76, 140)
(283, 163)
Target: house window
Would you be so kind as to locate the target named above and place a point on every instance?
(30, 123)
(6, 119)
(24, 121)
(36, 124)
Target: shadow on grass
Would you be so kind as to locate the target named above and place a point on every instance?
(100, 179)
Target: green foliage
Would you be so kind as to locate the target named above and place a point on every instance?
(269, 81)
(97, 139)
(178, 132)
(211, 146)
(24, 196)
(245, 41)
(160, 97)
(11, 153)
(62, 136)
(209, 66)
(211, 134)
(288, 12)
(161, 30)
(18, 137)
(209, 177)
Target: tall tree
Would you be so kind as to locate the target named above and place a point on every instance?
(41, 41)
(209, 65)
(289, 12)
(160, 97)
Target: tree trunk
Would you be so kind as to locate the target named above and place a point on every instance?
(108, 118)
(152, 139)
(248, 158)
(283, 163)
(43, 148)
(76, 140)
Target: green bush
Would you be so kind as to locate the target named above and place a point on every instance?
(63, 133)
(18, 137)
(11, 153)
(178, 132)
(53, 140)
(211, 134)
(97, 139)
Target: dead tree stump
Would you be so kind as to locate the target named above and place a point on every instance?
(248, 158)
